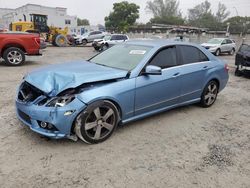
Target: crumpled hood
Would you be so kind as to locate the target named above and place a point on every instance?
(56, 78)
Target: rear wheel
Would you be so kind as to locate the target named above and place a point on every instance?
(14, 56)
(97, 123)
(209, 94)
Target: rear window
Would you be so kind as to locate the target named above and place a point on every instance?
(192, 54)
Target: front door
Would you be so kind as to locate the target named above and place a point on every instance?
(154, 92)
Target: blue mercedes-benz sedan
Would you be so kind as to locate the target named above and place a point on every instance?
(127, 82)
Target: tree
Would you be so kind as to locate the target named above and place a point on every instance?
(222, 13)
(165, 12)
(199, 13)
(81, 22)
(124, 14)
(201, 16)
(238, 24)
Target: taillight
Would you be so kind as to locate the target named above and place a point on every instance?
(226, 67)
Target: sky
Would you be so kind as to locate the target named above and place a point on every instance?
(96, 10)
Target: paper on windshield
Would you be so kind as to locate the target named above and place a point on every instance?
(137, 52)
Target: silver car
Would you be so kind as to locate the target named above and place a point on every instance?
(89, 37)
(108, 41)
(220, 45)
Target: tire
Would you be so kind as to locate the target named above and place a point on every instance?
(97, 123)
(217, 52)
(104, 47)
(209, 94)
(232, 52)
(60, 40)
(84, 42)
(238, 72)
(14, 56)
(97, 48)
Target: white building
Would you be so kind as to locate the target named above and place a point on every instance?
(57, 16)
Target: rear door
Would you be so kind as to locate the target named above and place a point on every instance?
(195, 64)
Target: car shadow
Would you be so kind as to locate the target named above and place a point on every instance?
(167, 113)
(26, 63)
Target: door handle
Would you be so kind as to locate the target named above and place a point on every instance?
(176, 75)
(205, 67)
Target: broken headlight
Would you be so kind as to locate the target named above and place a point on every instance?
(60, 101)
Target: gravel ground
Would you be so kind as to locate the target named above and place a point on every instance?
(185, 147)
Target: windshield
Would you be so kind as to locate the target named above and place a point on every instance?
(125, 56)
(107, 37)
(215, 41)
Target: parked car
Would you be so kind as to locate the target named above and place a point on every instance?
(15, 45)
(108, 41)
(89, 37)
(242, 59)
(218, 46)
(127, 82)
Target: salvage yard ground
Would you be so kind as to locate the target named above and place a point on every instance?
(185, 147)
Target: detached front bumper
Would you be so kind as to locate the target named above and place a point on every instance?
(62, 118)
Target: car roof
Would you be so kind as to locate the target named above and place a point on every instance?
(222, 38)
(158, 42)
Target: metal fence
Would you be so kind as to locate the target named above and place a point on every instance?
(195, 38)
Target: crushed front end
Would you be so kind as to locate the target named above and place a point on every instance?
(49, 116)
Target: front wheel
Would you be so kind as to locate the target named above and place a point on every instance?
(217, 52)
(209, 94)
(104, 47)
(97, 123)
(14, 56)
(84, 42)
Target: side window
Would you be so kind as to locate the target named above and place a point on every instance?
(114, 37)
(165, 58)
(224, 42)
(92, 33)
(192, 54)
(119, 37)
(229, 41)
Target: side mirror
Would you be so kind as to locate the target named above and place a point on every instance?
(153, 70)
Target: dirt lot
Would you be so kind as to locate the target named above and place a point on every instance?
(185, 147)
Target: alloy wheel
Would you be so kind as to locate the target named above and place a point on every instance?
(211, 94)
(14, 57)
(100, 122)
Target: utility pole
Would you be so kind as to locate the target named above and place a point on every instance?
(228, 27)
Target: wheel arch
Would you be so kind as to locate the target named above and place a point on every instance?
(99, 100)
(13, 45)
(213, 79)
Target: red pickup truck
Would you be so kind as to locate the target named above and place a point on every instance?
(15, 45)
